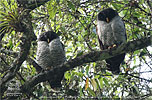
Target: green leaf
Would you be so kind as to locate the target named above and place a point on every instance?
(101, 82)
(3, 13)
(116, 6)
(142, 53)
(81, 92)
(80, 74)
(87, 70)
(80, 53)
(22, 82)
(33, 70)
(91, 91)
(105, 81)
(52, 9)
(70, 5)
(17, 44)
(96, 76)
(60, 13)
(52, 12)
(67, 76)
(94, 84)
(10, 44)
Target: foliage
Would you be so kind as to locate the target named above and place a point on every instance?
(10, 18)
(75, 22)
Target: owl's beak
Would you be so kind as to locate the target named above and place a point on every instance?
(48, 40)
(107, 19)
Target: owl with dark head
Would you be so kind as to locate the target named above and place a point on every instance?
(50, 54)
(111, 31)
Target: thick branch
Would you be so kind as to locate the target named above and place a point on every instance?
(25, 40)
(87, 58)
(25, 45)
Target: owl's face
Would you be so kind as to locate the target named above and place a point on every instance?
(51, 35)
(42, 37)
(48, 36)
(107, 15)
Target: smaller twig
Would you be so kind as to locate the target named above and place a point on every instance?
(146, 63)
(32, 62)
(8, 52)
(137, 25)
(138, 77)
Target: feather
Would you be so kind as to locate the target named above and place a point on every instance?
(111, 31)
(50, 54)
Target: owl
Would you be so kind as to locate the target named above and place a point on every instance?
(50, 54)
(111, 32)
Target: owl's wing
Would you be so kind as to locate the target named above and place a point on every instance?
(98, 33)
(49, 56)
(57, 52)
(43, 54)
(101, 44)
(119, 35)
(119, 31)
(57, 58)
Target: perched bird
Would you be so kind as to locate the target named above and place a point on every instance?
(50, 54)
(111, 32)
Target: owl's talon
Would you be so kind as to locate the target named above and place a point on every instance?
(109, 47)
(114, 45)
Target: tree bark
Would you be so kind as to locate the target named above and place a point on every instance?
(25, 44)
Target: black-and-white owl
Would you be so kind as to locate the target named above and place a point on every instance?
(50, 54)
(111, 31)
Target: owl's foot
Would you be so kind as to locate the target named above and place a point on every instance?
(114, 45)
(48, 68)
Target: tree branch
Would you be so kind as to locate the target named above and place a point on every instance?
(87, 58)
(26, 39)
(25, 44)
(31, 4)
(8, 52)
(35, 65)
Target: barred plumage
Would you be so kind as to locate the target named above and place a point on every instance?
(50, 53)
(111, 30)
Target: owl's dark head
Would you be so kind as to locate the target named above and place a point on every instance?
(48, 36)
(51, 35)
(107, 15)
(42, 37)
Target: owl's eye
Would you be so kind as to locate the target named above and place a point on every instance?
(42, 37)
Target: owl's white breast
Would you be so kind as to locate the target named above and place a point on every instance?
(50, 55)
(43, 54)
(112, 32)
(57, 52)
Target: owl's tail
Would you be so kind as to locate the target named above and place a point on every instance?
(113, 63)
(56, 83)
